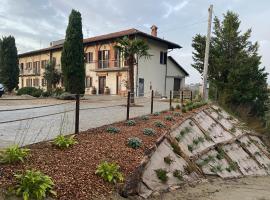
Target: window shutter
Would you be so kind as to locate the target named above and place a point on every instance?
(161, 57)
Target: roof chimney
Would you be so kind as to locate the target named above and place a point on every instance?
(154, 29)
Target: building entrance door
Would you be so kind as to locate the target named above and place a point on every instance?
(101, 84)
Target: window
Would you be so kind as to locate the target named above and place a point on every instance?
(28, 82)
(163, 58)
(103, 59)
(21, 68)
(36, 67)
(44, 63)
(36, 82)
(117, 58)
(29, 66)
(89, 57)
(88, 81)
(43, 82)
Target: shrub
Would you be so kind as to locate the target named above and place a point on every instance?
(67, 96)
(58, 91)
(32, 91)
(207, 160)
(201, 139)
(178, 174)
(177, 107)
(189, 108)
(63, 142)
(172, 108)
(177, 114)
(134, 142)
(109, 172)
(195, 142)
(13, 154)
(232, 166)
(46, 94)
(162, 175)
(159, 124)
(131, 123)
(221, 154)
(112, 129)
(156, 113)
(168, 160)
(168, 118)
(149, 131)
(233, 129)
(216, 169)
(190, 148)
(34, 185)
(145, 117)
(184, 110)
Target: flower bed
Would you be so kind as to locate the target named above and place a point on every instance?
(73, 169)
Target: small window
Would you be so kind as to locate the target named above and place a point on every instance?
(43, 82)
(163, 58)
(88, 82)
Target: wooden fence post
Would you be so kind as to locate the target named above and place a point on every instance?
(170, 99)
(77, 114)
(182, 97)
(128, 104)
(191, 96)
(152, 100)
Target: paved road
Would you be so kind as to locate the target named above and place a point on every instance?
(46, 128)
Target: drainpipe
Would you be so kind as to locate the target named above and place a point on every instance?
(137, 75)
(166, 74)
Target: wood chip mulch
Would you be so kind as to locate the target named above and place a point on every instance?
(73, 169)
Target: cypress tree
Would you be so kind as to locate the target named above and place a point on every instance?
(72, 59)
(9, 69)
(234, 65)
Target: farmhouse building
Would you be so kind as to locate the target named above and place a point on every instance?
(106, 71)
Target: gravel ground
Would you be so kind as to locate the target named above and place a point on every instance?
(46, 128)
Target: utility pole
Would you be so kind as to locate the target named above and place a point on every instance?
(206, 56)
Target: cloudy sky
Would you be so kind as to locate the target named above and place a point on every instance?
(35, 23)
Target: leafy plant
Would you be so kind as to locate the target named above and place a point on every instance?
(190, 148)
(64, 142)
(189, 108)
(184, 110)
(172, 108)
(177, 114)
(221, 154)
(207, 160)
(216, 169)
(233, 129)
(168, 118)
(156, 113)
(112, 129)
(149, 131)
(207, 136)
(177, 107)
(145, 117)
(195, 142)
(201, 139)
(159, 124)
(134, 142)
(131, 123)
(13, 154)
(34, 185)
(178, 174)
(162, 175)
(168, 160)
(109, 172)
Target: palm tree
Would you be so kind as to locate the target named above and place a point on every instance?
(132, 50)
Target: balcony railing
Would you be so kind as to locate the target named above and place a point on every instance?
(103, 64)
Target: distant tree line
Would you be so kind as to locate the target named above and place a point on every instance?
(235, 76)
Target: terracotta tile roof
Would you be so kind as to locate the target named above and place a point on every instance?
(109, 36)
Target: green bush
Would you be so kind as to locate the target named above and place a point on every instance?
(168, 118)
(112, 129)
(134, 142)
(156, 114)
(177, 114)
(162, 175)
(168, 160)
(46, 94)
(58, 91)
(63, 142)
(190, 148)
(159, 124)
(145, 117)
(34, 185)
(32, 91)
(131, 123)
(184, 110)
(13, 154)
(177, 107)
(190, 107)
(109, 172)
(178, 174)
(149, 131)
(172, 108)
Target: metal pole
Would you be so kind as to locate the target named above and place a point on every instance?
(77, 113)
(170, 99)
(206, 56)
(128, 104)
(191, 96)
(152, 100)
(182, 97)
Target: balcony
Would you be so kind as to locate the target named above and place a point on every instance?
(103, 64)
(109, 65)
